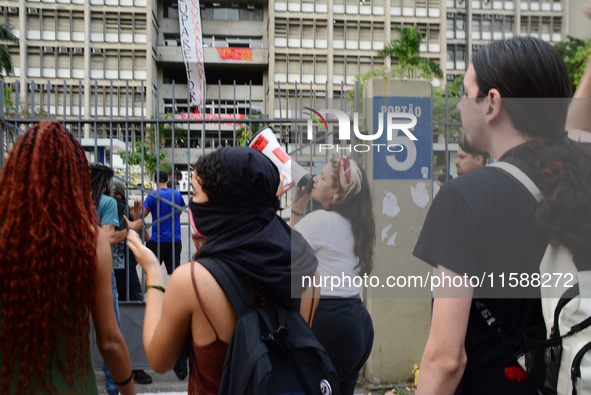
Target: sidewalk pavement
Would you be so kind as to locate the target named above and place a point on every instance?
(169, 384)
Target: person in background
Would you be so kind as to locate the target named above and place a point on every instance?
(443, 177)
(163, 230)
(469, 159)
(55, 272)
(486, 222)
(342, 236)
(122, 266)
(108, 217)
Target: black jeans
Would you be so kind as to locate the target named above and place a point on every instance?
(345, 330)
(171, 262)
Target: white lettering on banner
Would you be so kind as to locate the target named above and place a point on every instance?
(192, 48)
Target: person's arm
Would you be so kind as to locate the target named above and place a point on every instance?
(444, 359)
(167, 319)
(115, 236)
(137, 226)
(110, 341)
(298, 208)
(578, 121)
(310, 299)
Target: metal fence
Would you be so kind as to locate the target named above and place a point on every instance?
(101, 136)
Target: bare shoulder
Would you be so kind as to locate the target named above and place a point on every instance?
(182, 279)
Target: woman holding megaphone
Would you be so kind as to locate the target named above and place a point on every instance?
(342, 236)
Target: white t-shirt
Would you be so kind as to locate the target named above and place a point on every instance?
(330, 236)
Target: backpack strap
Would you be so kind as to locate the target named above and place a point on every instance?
(520, 176)
(231, 284)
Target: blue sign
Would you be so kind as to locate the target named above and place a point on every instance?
(401, 157)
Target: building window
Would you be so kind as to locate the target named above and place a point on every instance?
(231, 12)
(171, 9)
(456, 57)
(280, 32)
(456, 26)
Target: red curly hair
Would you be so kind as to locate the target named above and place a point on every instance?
(47, 260)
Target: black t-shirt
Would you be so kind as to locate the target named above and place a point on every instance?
(482, 223)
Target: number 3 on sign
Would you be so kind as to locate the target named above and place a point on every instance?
(401, 143)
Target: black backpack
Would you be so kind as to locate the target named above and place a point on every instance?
(272, 351)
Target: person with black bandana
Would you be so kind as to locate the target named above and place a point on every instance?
(233, 219)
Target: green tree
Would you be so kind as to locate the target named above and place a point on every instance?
(6, 35)
(150, 159)
(407, 52)
(245, 133)
(453, 113)
(575, 53)
(396, 71)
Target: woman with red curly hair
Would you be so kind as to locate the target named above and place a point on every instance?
(55, 271)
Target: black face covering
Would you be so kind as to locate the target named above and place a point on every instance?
(243, 229)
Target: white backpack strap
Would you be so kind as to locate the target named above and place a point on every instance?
(519, 176)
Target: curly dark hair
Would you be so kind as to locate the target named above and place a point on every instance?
(565, 211)
(212, 176)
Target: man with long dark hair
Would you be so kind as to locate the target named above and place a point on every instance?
(514, 107)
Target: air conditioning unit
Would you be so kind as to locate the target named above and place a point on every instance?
(235, 5)
(1, 9)
(97, 50)
(33, 11)
(250, 6)
(170, 43)
(139, 89)
(460, 2)
(48, 49)
(486, 2)
(487, 17)
(476, 47)
(451, 14)
(499, 17)
(43, 87)
(78, 50)
(63, 50)
(12, 10)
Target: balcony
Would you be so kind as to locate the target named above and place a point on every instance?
(172, 54)
(227, 92)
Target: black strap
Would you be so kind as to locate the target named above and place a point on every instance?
(496, 326)
(575, 370)
(564, 300)
(231, 284)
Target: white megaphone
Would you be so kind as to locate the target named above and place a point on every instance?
(265, 142)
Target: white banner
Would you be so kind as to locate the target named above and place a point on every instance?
(192, 47)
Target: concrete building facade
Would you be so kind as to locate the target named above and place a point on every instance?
(314, 45)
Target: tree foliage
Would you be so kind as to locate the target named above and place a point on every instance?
(150, 159)
(575, 53)
(6, 35)
(396, 71)
(454, 97)
(407, 51)
(245, 133)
